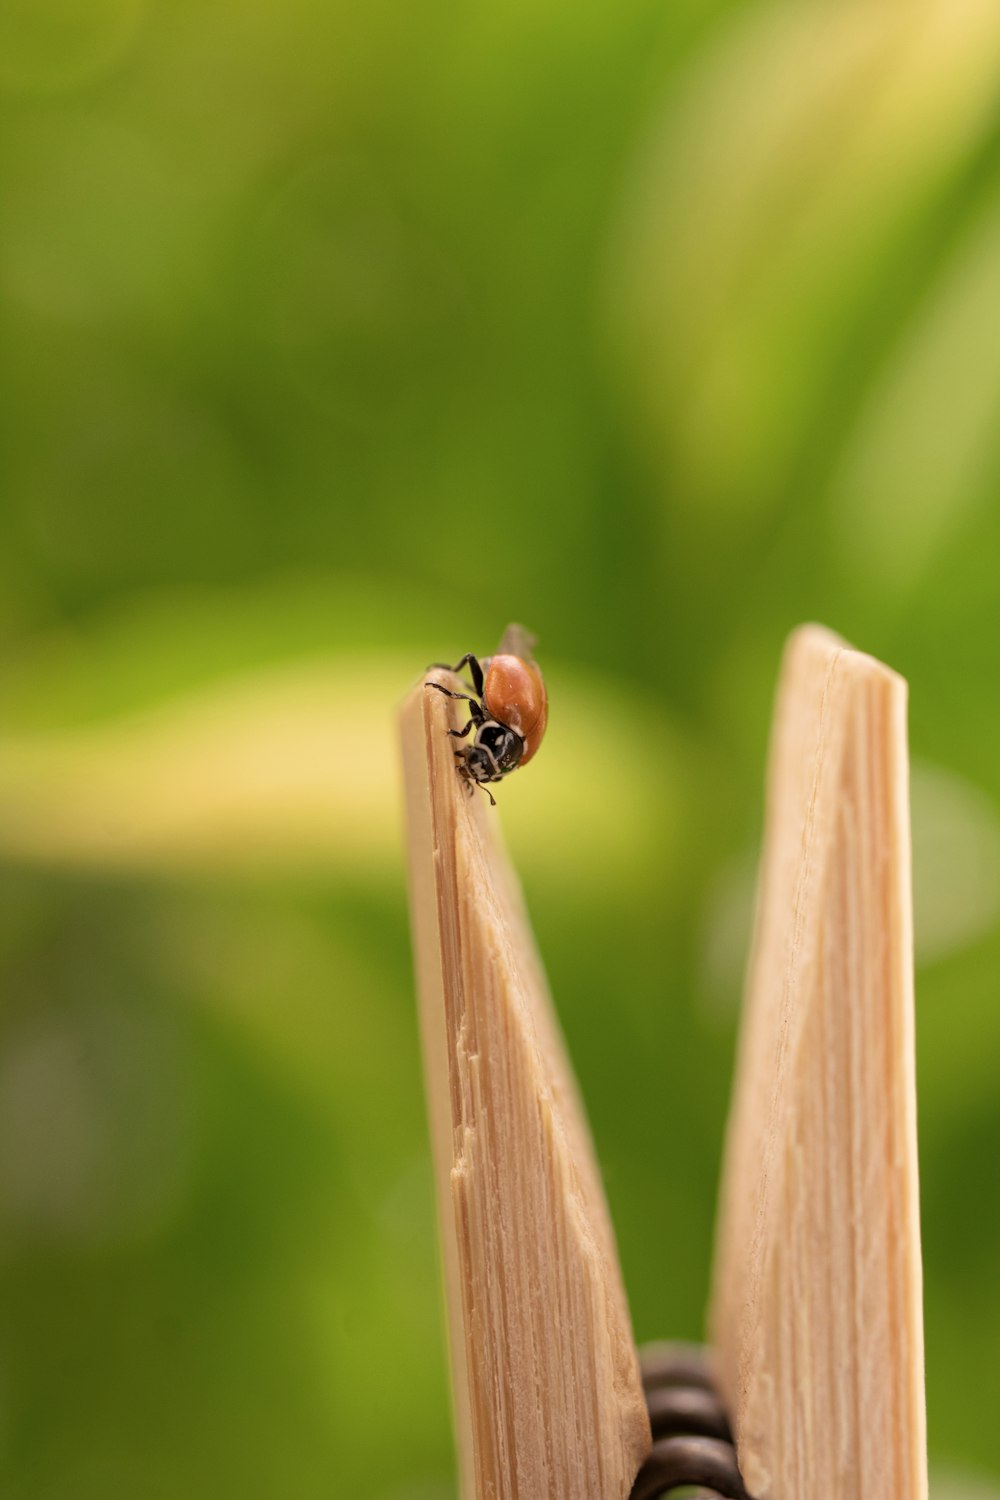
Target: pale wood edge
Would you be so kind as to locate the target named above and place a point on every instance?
(474, 951)
(422, 857)
(740, 1280)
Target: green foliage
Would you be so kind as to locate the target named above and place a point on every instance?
(334, 338)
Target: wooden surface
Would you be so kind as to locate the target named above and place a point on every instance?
(548, 1400)
(817, 1296)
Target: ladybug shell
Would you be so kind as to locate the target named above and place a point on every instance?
(514, 694)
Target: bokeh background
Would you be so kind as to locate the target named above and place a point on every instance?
(335, 336)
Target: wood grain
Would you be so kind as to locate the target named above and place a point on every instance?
(816, 1313)
(547, 1393)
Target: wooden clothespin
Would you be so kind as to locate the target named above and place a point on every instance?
(816, 1319)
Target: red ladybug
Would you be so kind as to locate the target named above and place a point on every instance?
(509, 715)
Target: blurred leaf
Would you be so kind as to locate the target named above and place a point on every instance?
(296, 766)
(777, 202)
(925, 454)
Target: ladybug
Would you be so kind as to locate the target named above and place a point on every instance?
(509, 713)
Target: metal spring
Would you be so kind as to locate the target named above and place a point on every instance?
(692, 1441)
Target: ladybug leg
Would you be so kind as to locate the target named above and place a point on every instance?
(449, 694)
(475, 670)
(463, 770)
(476, 717)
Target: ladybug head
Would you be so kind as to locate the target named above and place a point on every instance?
(496, 752)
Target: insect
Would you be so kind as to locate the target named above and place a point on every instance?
(508, 712)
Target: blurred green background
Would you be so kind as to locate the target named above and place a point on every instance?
(333, 338)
